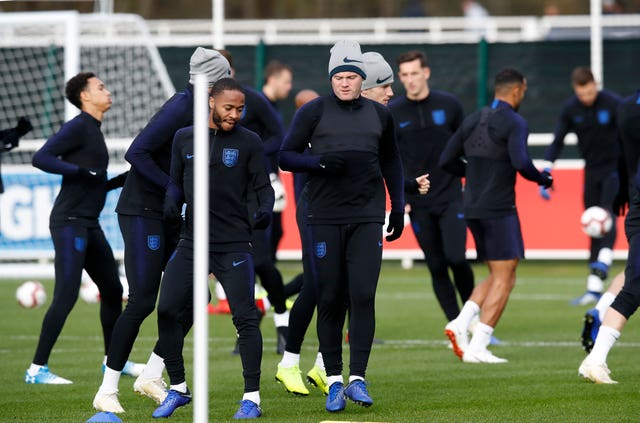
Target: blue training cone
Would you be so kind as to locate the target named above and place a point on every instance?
(104, 417)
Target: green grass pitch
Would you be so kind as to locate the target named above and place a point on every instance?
(412, 376)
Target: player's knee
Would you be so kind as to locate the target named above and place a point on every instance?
(436, 264)
(113, 295)
(62, 306)
(458, 260)
(141, 307)
(246, 319)
(364, 301)
(167, 312)
(503, 284)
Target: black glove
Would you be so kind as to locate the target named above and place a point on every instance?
(83, 172)
(395, 226)
(546, 179)
(261, 219)
(117, 181)
(171, 212)
(9, 139)
(24, 126)
(332, 163)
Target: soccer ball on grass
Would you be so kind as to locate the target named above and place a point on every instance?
(31, 294)
(89, 292)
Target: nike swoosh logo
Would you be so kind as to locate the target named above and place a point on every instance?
(237, 263)
(404, 124)
(189, 156)
(380, 81)
(379, 243)
(347, 60)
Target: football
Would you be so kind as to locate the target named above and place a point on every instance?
(31, 294)
(89, 292)
(596, 222)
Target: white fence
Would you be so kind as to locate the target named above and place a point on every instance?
(389, 30)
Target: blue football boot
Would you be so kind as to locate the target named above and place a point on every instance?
(173, 400)
(248, 410)
(335, 399)
(356, 391)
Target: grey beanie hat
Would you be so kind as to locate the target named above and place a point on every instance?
(209, 62)
(346, 56)
(378, 70)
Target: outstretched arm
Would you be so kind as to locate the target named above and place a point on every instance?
(292, 156)
(48, 157)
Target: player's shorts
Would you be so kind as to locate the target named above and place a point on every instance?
(498, 238)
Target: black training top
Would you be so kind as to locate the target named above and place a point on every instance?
(235, 167)
(493, 142)
(79, 144)
(362, 131)
(423, 128)
(596, 129)
(150, 157)
(629, 124)
(261, 117)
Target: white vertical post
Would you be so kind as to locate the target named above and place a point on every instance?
(201, 251)
(596, 42)
(217, 23)
(71, 57)
(104, 6)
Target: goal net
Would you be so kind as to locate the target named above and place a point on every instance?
(39, 52)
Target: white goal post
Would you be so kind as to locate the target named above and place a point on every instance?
(39, 52)
(45, 29)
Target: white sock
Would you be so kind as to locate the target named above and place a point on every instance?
(319, 360)
(252, 396)
(352, 378)
(605, 255)
(607, 337)
(110, 381)
(481, 337)
(219, 291)
(595, 284)
(34, 369)
(468, 312)
(181, 387)
(281, 319)
(603, 304)
(154, 367)
(104, 360)
(333, 379)
(290, 359)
